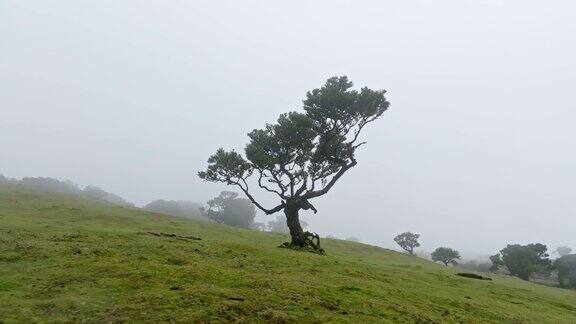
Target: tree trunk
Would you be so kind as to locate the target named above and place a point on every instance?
(293, 221)
(300, 240)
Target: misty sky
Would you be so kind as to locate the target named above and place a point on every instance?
(476, 151)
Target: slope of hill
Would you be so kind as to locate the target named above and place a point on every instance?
(180, 208)
(65, 259)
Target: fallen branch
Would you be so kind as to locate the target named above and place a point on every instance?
(473, 276)
(236, 298)
(188, 237)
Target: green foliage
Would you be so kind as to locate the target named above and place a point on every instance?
(446, 256)
(523, 260)
(336, 106)
(225, 166)
(566, 267)
(288, 141)
(68, 260)
(408, 241)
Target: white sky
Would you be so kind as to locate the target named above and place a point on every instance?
(476, 151)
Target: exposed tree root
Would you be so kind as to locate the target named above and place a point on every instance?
(310, 243)
(176, 236)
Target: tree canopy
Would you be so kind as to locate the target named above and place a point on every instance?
(446, 256)
(408, 241)
(303, 154)
(522, 260)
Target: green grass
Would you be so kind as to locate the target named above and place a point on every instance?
(64, 259)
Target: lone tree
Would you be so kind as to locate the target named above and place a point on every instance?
(522, 261)
(303, 155)
(408, 241)
(446, 256)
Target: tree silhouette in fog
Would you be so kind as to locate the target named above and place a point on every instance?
(228, 209)
(522, 261)
(302, 155)
(446, 256)
(408, 241)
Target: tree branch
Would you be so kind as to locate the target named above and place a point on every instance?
(267, 211)
(281, 194)
(317, 193)
(290, 176)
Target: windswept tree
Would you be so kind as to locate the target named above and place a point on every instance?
(302, 155)
(522, 261)
(446, 256)
(408, 241)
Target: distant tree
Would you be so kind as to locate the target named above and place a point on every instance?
(303, 155)
(408, 241)
(279, 225)
(352, 239)
(566, 268)
(563, 250)
(523, 260)
(180, 208)
(230, 210)
(446, 256)
(497, 262)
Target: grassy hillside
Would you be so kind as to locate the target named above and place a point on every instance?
(64, 259)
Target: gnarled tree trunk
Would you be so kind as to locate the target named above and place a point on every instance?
(299, 238)
(296, 232)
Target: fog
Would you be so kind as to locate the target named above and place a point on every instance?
(476, 151)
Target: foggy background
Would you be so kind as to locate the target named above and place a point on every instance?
(476, 151)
